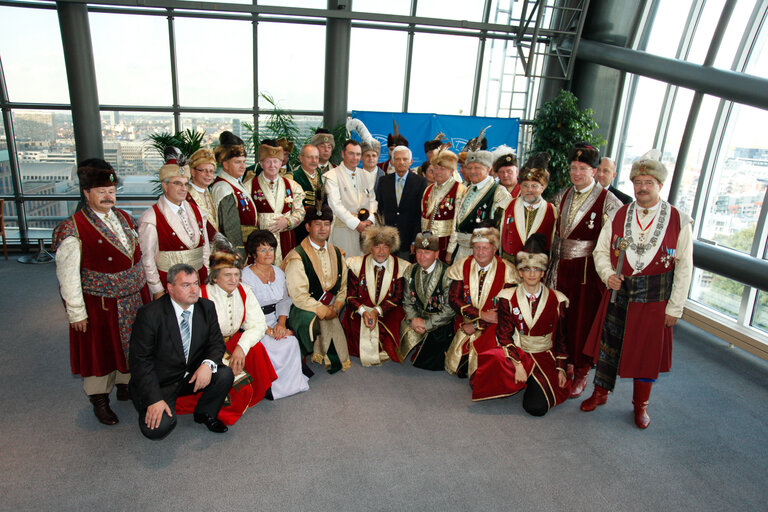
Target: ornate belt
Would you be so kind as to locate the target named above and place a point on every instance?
(113, 286)
(572, 249)
(167, 259)
(534, 344)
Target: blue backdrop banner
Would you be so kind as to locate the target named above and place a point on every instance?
(419, 128)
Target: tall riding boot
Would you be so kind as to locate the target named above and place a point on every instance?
(640, 394)
(580, 380)
(101, 409)
(599, 397)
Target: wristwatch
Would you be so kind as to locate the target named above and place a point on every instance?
(213, 366)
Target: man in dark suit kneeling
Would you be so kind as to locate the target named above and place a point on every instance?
(176, 349)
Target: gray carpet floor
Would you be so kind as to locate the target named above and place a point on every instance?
(386, 438)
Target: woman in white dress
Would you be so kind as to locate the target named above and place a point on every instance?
(268, 284)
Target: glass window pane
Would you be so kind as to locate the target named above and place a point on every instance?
(125, 136)
(33, 60)
(402, 7)
(504, 88)
(455, 92)
(717, 292)
(376, 79)
(739, 182)
(214, 124)
(737, 26)
(470, 10)
(644, 118)
(43, 216)
(670, 144)
(704, 30)
(293, 71)
(758, 61)
(206, 77)
(6, 183)
(668, 27)
(45, 146)
(132, 59)
(700, 144)
(306, 4)
(760, 317)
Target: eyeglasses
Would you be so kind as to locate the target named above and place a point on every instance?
(205, 171)
(530, 269)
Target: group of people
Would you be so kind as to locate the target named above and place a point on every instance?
(231, 284)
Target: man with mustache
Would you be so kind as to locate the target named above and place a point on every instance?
(102, 283)
(632, 334)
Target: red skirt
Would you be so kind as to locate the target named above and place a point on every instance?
(241, 396)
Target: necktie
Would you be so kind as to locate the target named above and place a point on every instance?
(400, 185)
(481, 278)
(186, 333)
(533, 301)
(185, 223)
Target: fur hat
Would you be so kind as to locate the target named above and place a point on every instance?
(96, 172)
(435, 143)
(270, 151)
(230, 146)
(323, 136)
(583, 152)
(324, 213)
(534, 253)
(490, 235)
(201, 157)
(175, 164)
(484, 158)
(536, 169)
(224, 259)
(427, 241)
(370, 145)
(286, 144)
(505, 161)
(445, 158)
(376, 235)
(649, 164)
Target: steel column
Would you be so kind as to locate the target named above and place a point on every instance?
(337, 38)
(81, 77)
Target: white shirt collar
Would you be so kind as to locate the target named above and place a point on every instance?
(431, 267)
(587, 189)
(482, 183)
(310, 174)
(380, 265)
(535, 205)
(201, 190)
(486, 268)
(350, 171)
(537, 294)
(171, 205)
(178, 310)
(317, 247)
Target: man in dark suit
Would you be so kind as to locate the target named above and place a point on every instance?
(176, 349)
(399, 197)
(606, 173)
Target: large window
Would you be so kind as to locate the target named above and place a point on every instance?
(33, 60)
(141, 41)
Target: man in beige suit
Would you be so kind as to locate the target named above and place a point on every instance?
(352, 199)
(172, 231)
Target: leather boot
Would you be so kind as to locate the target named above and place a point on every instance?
(579, 381)
(640, 394)
(599, 397)
(101, 409)
(123, 392)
